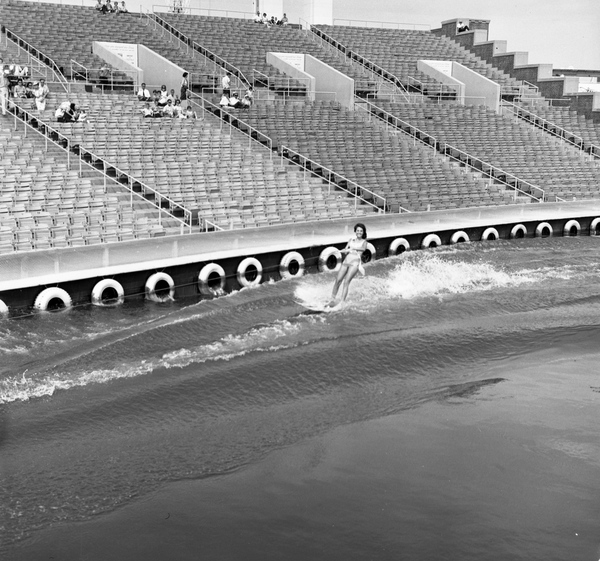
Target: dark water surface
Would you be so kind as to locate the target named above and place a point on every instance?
(449, 411)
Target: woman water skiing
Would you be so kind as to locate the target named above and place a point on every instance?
(352, 263)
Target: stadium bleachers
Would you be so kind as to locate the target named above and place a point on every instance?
(408, 175)
(229, 182)
(215, 171)
(513, 146)
(398, 50)
(245, 44)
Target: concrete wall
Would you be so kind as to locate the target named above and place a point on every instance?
(292, 70)
(23, 275)
(103, 50)
(434, 69)
(312, 11)
(477, 86)
(328, 79)
(158, 70)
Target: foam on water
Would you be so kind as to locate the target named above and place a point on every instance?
(408, 277)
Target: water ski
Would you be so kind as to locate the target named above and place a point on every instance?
(319, 308)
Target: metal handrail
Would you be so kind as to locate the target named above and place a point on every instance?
(393, 25)
(234, 70)
(265, 140)
(189, 10)
(39, 55)
(48, 131)
(486, 168)
(443, 147)
(249, 130)
(290, 154)
(363, 61)
(266, 79)
(554, 129)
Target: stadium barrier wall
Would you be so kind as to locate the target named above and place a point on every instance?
(23, 276)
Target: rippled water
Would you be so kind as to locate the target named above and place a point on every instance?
(448, 411)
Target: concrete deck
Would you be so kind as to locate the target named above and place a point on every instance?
(50, 267)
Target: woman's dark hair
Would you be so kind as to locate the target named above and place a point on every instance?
(185, 74)
(364, 228)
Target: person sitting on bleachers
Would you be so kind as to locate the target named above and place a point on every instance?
(265, 19)
(41, 93)
(246, 102)
(112, 8)
(177, 109)
(121, 9)
(169, 109)
(250, 94)
(163, 96)
(20, 91)
(257, 17)
(147, 111)
(104, 9)
(462, 27)
(143, 93)
(65, 112)
(234, 101)
(283, 20)
(98, 5)
(224, 101)
(81, 116)
(190, 113)
(172, 95)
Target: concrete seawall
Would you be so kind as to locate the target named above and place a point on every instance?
(77, 270)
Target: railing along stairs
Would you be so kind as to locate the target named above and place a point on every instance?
(552, 128)
(36, 55)
(333, 179)
(209, 56)
(352, 56)
(123, 179)
(462, 158)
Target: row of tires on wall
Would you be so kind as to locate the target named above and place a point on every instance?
(160, 287)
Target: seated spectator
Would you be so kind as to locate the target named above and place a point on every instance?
(143, 93)
(265, 19)
(283, 20)
(250, 94)
(81, 116)
(172, 95)
(147, 111)
(105, 7)
(235, 101)
(169, 109)
(257, 17)
(104, 74)
(21, 71)
(112, 7)
(177, 109)
(98, 5)
(190, 113)
(65, 112)
(246, 102)
(41, 93)
(163, 96)
(122, 9)
(20, 91)
(462, 27)
(224, 101)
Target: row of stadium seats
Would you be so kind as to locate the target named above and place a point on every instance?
(515, 147)
(201, 167)
(408, 176)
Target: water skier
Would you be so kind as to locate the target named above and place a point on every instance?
(352, 263)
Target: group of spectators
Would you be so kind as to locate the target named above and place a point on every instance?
(106, 7)
(68, 112)
(270, 21)
(164, 103)
(233, 100)
(15, 83)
